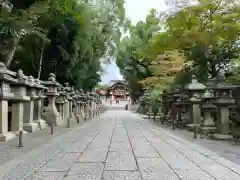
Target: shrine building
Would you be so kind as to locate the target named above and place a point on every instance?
(117, 90)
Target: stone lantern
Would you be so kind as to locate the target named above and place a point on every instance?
(81, 106)
(61, 102)
(70, 94)
(172, 98)
(208, 125)
(51, 114)
(28, 119)
(179, 102)
(39, 104)
(74, 104)
(18, 101)
(5, 93)
(195, 89)
(156, 107)
(224, 99)
(79, 111)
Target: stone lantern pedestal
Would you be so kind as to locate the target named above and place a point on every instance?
(5, 95)
(223, 118)
(51, 114)
(208, 126)
(38, 105)
(61, 104)
(195, 89)
(195, 113)
(79, 113)
(28, 117)
(223, 92)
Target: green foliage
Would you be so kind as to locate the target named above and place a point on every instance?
(102, 86)
(71, 38)
(200, 38)
(133, 65)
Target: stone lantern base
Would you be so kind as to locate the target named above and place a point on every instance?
(41, 123)
(7, 136)
(208, 130)
(31, 127)
(79, 118)
(221, 137)
(191, 127)
(51, 115)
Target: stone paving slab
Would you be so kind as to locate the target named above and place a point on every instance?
(181, 156)
(23, 166)
(121, 175)
(87, 168)
(46, 176)
(9, 149)
(143, 149)
(227, 149)
(61, 162)
(92, 155)
(120, 145)
(83, 177)
(121, 160)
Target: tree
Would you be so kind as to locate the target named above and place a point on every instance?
(67, 37)
(133, 65)
(200, 38)
(206, 33)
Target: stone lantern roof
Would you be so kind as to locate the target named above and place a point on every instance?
(195, 85)
(52, 81)
(221, 84)
(6, 75)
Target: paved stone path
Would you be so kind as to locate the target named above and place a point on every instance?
(9, 149)
(120, 145)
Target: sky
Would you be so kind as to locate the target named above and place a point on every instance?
(136, 10)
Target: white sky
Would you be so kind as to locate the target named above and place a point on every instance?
(136, 10)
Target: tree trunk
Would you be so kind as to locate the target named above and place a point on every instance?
(7, 49)
(41, 60)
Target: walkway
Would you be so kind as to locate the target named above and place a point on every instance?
(120, 145)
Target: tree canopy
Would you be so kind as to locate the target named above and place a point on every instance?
(200, 38)
(71, 38)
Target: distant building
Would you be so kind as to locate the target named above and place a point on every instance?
(117, 90)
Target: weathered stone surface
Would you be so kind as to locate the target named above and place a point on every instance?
(119, 138)
(124, 145)
(179, 162)
(93, 155)
(153, 165)
(61, 162)
(121, 175)
(82, 177)
(159, 176)
(220, 172)
(86, 168)
(76, 148)
(108, 147)
(33, 161)
(46, 176)
(143, 149)
(194, 175)
(120, 160)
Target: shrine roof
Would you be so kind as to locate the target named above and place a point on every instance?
(112, 82)
(115, 82)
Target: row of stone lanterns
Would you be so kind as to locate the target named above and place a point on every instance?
(22, 106)
(206, 107)
(198, 106)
